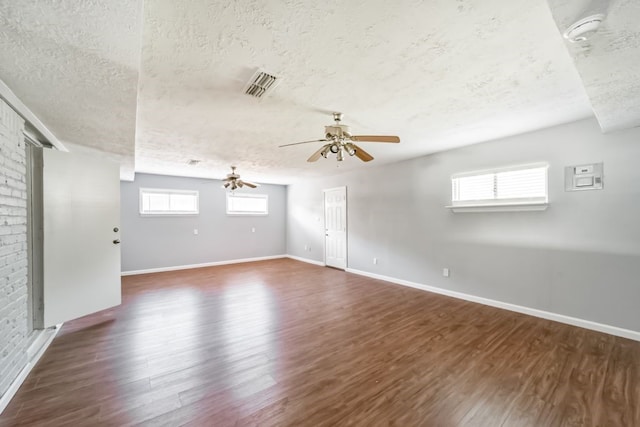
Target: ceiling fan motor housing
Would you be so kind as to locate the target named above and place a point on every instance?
(339, 131)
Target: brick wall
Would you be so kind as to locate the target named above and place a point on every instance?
(15, 335)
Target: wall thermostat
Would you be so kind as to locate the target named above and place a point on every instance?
(583, 177)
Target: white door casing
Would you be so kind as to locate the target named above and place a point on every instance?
(335, 220)
(81, 251)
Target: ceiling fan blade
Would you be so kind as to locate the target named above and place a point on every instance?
(315, 156)
(362, 155)
(250, 184)
(375, 138)
(303, 142)
(226, 184)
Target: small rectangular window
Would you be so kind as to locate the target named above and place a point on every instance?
(155, 201)
(513, 186)
(247, 204)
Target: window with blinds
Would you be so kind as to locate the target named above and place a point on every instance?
(500, 187)
(154, 201)
(247, 204)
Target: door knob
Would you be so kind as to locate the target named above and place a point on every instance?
(116, 242)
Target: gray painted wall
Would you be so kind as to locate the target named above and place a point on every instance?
(580, 258)
(166, 241)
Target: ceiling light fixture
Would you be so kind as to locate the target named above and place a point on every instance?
(350, 148)
(325, 151)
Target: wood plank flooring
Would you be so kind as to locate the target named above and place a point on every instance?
(284, 343)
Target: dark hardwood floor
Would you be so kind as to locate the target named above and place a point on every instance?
(286, 343)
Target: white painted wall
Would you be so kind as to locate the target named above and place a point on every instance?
(579, 258)
(168, 241)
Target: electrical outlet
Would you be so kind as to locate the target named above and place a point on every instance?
(445, 272)
(375, 261)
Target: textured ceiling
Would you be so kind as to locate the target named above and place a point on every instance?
(609, 61)
(438, 73)
(75, 65)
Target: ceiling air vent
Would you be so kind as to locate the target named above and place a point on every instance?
(260, 84)
(193, 162)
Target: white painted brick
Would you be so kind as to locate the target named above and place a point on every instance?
(13, 220)
(11, 239)
(14, 333)
(12, 248)
(13, 211)
(14, 176)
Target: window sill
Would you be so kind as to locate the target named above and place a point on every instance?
(164, 214)
(508, 207)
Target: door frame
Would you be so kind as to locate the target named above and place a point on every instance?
(35, 276)
(346, 225)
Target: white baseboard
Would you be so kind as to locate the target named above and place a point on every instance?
(34, 353)
(206, 264)
(307, 260)
(587, 324)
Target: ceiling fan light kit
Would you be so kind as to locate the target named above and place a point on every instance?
(340, 141)
(233, 181)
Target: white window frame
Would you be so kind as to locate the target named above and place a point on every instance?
(501, 205)
(195, 193)
(250, 196)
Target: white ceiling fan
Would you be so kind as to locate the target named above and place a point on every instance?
(233, 181)
(339, 141)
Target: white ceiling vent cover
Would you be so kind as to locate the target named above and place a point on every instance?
(261, 84)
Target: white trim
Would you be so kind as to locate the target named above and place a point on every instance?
(206, 264)
(499, 207)
(307, 260)
(261, 196)
(168, 192)
(335, 188)
(587, 324)
(34, 353)
(18, 106)
(501, 169)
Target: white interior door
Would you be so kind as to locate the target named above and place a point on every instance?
(335, 220)
(81, 254)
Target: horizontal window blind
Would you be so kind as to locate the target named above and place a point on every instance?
(247, 204)
(168, 202)
(501, 186)
(527, 183)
